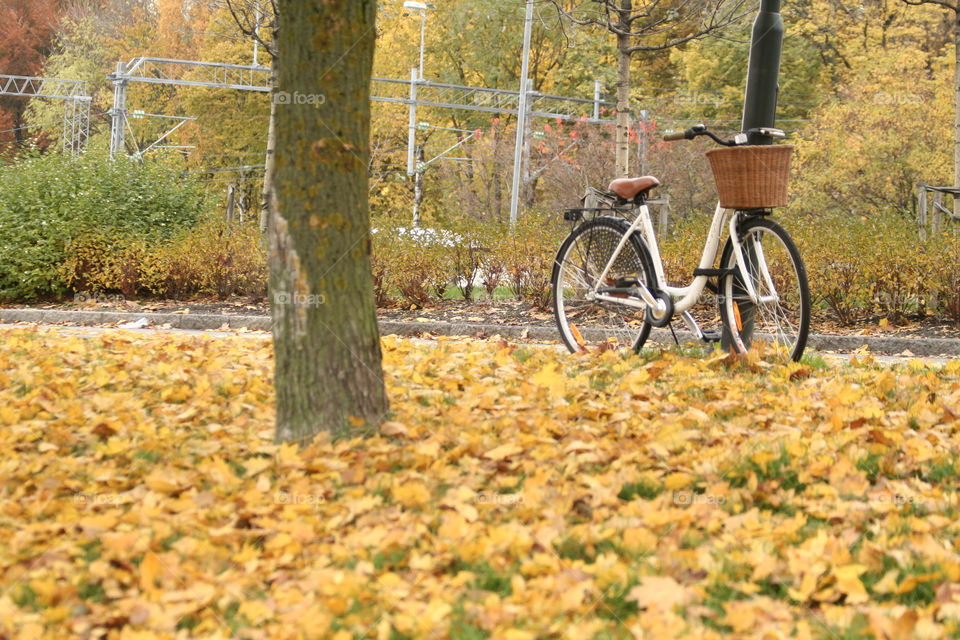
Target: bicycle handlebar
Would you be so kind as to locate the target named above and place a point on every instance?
(741, 138)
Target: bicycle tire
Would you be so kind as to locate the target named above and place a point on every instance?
(580, 260)
(783, 323)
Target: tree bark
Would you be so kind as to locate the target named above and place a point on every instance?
(418, 189)
(325, 335)
(231, 201)
(956, 109)
(623, 90)
(267, 195)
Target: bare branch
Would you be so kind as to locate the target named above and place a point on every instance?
(248, 24)
(952, 7)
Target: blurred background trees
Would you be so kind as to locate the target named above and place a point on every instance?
(865, 91)
(867, 95)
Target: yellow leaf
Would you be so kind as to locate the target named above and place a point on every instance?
(98, 523)
(503, 451)
(411, 494)
(740, 615)
(549, 377)
(166, 482)
(677, 480)
(848, 583)
(254, 611)
(149, 568)
(662, 592)
(454, 527)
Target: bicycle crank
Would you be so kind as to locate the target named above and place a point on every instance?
(663, 314)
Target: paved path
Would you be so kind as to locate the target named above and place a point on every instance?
(89, 332)
(890, 345)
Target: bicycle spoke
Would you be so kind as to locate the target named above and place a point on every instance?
(780, 314)
(586, 323)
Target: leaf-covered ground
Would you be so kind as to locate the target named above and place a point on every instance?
(514, 493)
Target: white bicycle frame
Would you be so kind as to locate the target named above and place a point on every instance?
(685, 297)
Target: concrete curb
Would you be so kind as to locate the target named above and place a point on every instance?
(922, 347)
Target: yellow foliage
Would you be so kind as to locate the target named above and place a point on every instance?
(586, 497)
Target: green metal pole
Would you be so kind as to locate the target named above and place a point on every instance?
(759, 110)
(760, 102)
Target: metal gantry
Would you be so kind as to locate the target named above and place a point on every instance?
(480, 99)
(495, 101)
(76, 115)
(180, 73)
(413, 93)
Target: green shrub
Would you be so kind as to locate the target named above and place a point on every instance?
(944, 277)
(467, 256)
(530, 251)
(384, 259)
(414, 263)
(217, 258)
(680, 250)
(48, 202)
(494, 261)
(100, 262)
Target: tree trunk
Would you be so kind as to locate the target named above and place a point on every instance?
(231, 201)
(267, 196)
(418, 189)
(325, 335)
(18, 128)
(956, 111)
(623, 90)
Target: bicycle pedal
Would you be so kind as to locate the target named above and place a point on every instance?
(711, 336)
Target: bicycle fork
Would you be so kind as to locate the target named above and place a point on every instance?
(761, 266)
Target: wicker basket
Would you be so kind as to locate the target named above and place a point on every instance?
(751, 177)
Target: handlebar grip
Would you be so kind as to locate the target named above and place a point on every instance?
(675, 135)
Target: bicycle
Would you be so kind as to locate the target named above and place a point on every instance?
(609, 288)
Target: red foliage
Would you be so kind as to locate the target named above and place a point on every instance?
(27, 30)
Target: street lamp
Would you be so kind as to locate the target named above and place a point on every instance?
(422, 7)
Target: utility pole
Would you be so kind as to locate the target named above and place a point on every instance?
(118, 115)
(256, 35)
(528, 118)
(521, 116)
(760, 110)
(412, 130)
(763, 75)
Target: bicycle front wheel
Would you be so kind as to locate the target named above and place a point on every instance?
(780, 318)
(589, 324)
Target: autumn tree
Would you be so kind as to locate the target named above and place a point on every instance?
(865, 149)
(257, 20)
(648, 26)
(954, 7)
(27, 28)
(328, 359)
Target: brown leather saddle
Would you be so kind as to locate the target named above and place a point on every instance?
(629, 188)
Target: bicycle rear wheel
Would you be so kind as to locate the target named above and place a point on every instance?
(780, 320)
(588, 324)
